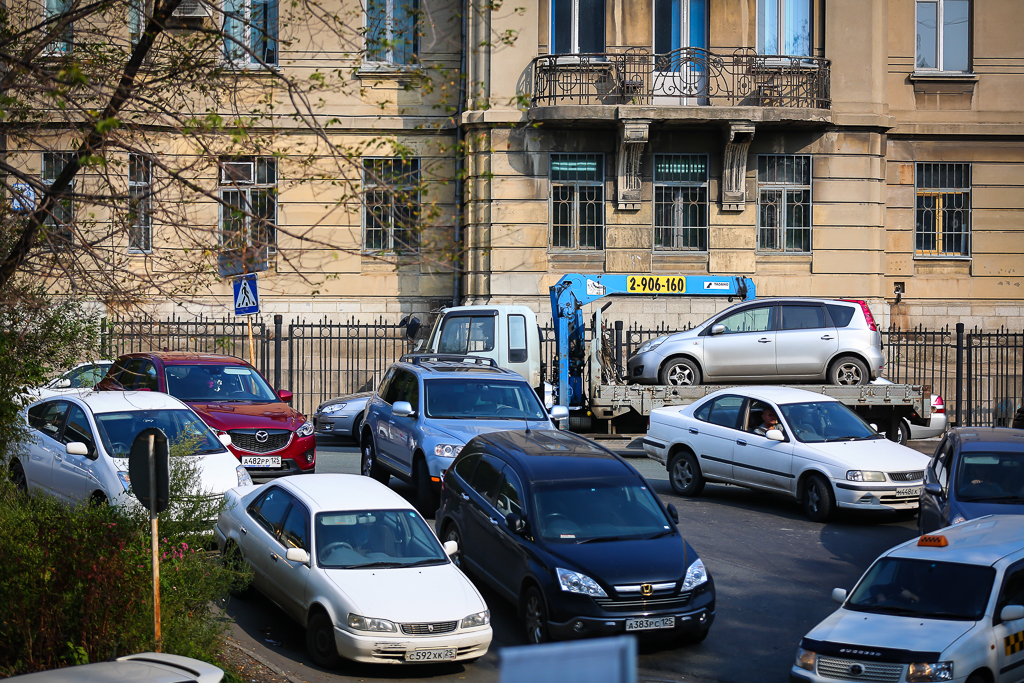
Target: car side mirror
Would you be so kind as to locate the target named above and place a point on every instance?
(559, 413)
(403, 409)
(874, 426)
(62, 383)
(297, 555)
(285, 395)
(225, 439)
(775, 435)
(933, 489)
(76, 448)
(717, 329)
(515, 523)
(839, 595)
(1012, 613)
(673, 513)
(450, 548)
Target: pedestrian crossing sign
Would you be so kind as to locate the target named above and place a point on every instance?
(247, 298)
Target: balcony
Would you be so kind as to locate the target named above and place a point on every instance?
(690, 77)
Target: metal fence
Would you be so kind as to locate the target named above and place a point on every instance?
(979, 374)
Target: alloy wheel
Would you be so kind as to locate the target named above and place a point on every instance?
(849, 374)
(534, 619)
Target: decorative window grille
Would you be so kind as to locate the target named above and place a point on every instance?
(140, 181)
(59, 231)
(248, 212)
(577, 201)
(391, 204)
(784, 203)
(680, 202)
(943, 216)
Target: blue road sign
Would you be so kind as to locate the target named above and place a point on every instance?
(247, 296)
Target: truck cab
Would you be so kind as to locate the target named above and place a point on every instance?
(508, 334)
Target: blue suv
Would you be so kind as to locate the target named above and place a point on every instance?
(429, 405)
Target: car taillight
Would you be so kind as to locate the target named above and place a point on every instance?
(867, 313)
(938, 406)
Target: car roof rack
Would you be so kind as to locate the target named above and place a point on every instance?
(420, 358)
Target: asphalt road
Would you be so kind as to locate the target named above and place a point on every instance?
(774, 572)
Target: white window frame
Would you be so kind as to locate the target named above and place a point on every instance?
(574, 33)
(59, 47)
(781, 37)
(140, 193)
(940, 28)
(389, 30)
(244, 59)
(247, 192)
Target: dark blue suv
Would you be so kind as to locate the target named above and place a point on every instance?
(572, 535)
(975, 471)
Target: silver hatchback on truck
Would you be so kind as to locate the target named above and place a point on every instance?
(830, 340)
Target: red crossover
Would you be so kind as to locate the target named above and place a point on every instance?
(271, 438)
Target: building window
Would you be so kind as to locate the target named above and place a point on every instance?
(250, 32)
(59, 232)
(943, 35)
(943, 220)
(679, 24)
(136, 20)
(140, 180)
(391, 31)
(54, 10)
(248, 212)
(680, 202)
(784, 27)
(784, 203)
(577, 26)
(391, 204)
(577, 201)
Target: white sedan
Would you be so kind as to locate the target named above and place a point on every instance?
(354, 563)
(78, 445)
(819, 452)
(75, 381)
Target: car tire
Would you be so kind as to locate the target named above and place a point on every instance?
(368, 465)
(357, 428)
(18, 477)
(452, 533)
(684, 474)
(902, 432)
(680, 372)
(535, 616)
(976, 678)
(848, 371)
(819, 502)
(426, 500)
(320, 643)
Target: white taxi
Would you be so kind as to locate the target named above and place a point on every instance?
(943, 607)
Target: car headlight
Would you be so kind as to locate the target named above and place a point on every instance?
(574, 582)
(805, 659)
(126, 481)
(696, 574)
(478, 619)
(959, 519)
(243, 476)
(919, 672)
(447, 450)
(331, 409)
(650, 345)
(367, 624)
(864, 475)
(305, 430)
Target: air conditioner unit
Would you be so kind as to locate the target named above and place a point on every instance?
(190, 9)
(237, 173)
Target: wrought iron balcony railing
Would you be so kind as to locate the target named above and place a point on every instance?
(687, 76)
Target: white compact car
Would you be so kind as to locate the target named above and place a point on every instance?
(77, 380)
(818, 450)
(354, 563)
(945, 607)
(78, 445)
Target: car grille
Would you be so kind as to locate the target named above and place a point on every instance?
(651, 604)
(906, 476)
(830, 667)
(246, 440)
(429, 629)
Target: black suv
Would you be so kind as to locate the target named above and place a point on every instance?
(573, 535)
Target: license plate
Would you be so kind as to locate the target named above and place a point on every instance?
(430, 655)
(650, 624)
(909, 491)
(261, 460)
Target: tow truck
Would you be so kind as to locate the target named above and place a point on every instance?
(587, 377)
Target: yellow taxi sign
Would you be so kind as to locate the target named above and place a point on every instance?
(933, 541)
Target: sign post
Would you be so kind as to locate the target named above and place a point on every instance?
(247, 302)
(149, 469)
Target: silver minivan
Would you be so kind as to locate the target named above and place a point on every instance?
(830, 340)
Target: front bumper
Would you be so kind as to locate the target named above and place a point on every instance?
(335, 424)
(297, 457)
(384, 648)
(858, 496)
(871, 673)
(643, 368)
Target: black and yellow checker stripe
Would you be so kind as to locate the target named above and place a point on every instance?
(1014, 643)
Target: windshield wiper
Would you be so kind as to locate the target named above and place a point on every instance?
(371, 565)
(424, 562)
(597, 539)
(879, 609)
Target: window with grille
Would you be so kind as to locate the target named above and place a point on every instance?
(391, 204)
(943, 220)
(680, 202)
(59, 232)
(250, 32)
(784, 203)
(577, 201)
(53, 13)
(248, 212)
(391, 31)
(140, 180)
(943, 37)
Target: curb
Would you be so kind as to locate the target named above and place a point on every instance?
(273, 667)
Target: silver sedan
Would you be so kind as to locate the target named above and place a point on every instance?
(341, 417)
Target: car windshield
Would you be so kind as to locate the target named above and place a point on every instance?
(477, 399)
(996, 477)
(581, 511)
(819, 421)
(375, 538)
(218, 383)
(118, 430)
(924, 589)
(83, 377)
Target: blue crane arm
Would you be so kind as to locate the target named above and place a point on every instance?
(571, 293)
